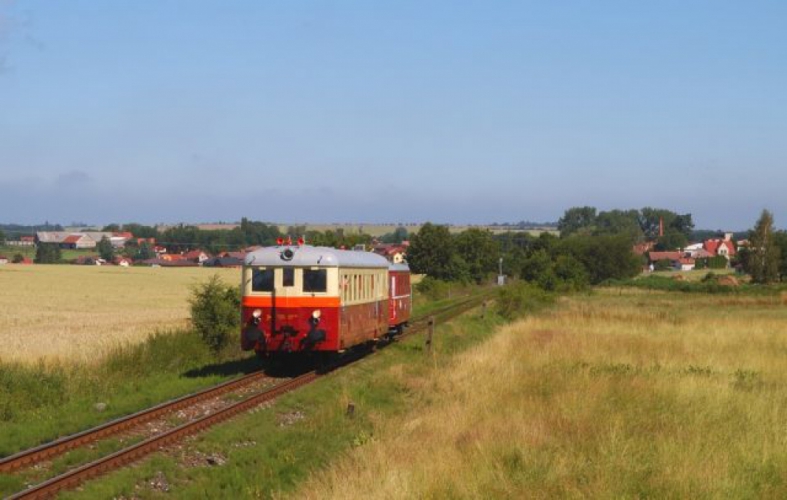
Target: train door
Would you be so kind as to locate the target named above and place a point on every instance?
(392, 300)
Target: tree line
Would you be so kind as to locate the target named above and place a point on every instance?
(637, 225)
(554, 263)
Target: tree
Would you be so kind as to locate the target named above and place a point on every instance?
(780, 238)
(105, 250)
(145, 252)
(672, 240)
(619, 222)
(763, 259)
(650, 220)
(398, 236)
(111, 228)
(47, 253)
(2, 237)
(431, 252)
(480, 252)
(215, 312)
(577, 220)
(604, 257)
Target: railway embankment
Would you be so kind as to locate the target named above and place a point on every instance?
(47, 400)
(274, 448)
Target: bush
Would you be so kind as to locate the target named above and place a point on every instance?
(662, 265)
(519, 299)
(215, 312)
(434, 289)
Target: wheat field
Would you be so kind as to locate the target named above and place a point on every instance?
(622, 394)
(76, 313)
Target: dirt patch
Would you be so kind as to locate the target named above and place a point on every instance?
(199, 459)
(728, 281)
(290, 418)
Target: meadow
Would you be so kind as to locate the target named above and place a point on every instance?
(619, 394)
(77, 313)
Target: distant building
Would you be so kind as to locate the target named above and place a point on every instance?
(3, 259)
(82, 239)
(23, 241)
(197, 256)
(393, 252)
(224, 262)
(724, 248)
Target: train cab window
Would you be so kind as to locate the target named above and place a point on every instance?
(262, 280)
(288, 277)
(315, 280)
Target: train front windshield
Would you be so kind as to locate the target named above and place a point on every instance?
(305, 280)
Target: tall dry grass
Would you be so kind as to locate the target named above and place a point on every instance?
(77, 313)
(620, 394)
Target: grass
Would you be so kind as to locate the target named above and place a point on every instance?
(30, 251)
(42, 401)
(272, 450)
(622, 394)
(46, 399)
(77, 313)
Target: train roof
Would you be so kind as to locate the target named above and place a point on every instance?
(309, 256)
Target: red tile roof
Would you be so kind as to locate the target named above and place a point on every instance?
(654, 256)
(74, 238)
(713, 246)
(194, 254)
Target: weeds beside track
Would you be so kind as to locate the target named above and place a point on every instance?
(132, 453)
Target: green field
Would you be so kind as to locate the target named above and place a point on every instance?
(616, 394)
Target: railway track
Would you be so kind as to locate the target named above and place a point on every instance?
(121, 458)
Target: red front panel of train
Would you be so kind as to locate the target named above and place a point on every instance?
(287, 327)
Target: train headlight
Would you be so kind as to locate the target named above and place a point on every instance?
(257, 313)
(316, 316)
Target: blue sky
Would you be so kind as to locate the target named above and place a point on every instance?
(165, 111)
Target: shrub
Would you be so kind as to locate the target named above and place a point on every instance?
(521, 298)
(662, 265)
(215, 312)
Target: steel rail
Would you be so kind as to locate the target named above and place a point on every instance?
(128, 455)
(124, 457)
(46, 451)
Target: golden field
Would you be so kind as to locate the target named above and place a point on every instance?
(75, 313)
(619, 394)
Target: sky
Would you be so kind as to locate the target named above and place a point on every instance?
(407, 111)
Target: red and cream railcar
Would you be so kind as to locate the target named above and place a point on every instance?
(304, 298)
(399, 296)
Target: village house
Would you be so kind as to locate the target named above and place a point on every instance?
(673, 258)
(83, 239)
(122, 261)
(23, 241)
(3, 259)
(393, 252)
(722, 247)
(197, 256)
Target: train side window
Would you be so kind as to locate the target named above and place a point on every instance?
(288, 278)
(315, 280)
(262, 280)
